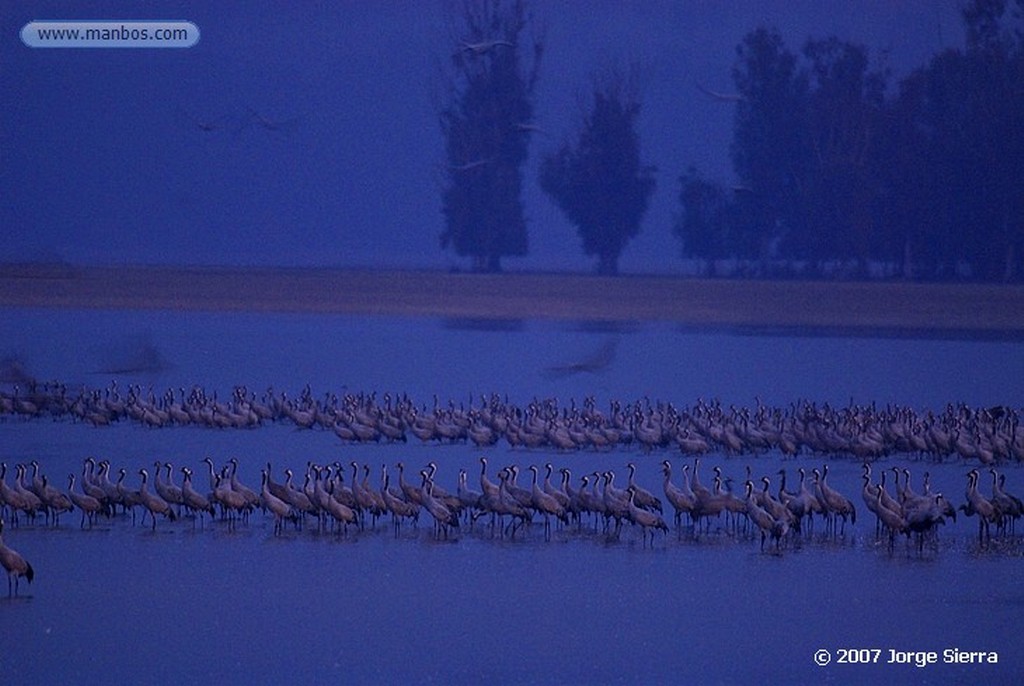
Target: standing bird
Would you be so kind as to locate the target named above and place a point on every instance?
(232, 504)
(1009, 506)
(154, 504)
(91, 487)
(832, 501)
(764, 520)
(295, 497)
(166, 490)
(893, 521)
(680, 499)
(399, 508)
(803, 503)
(470, 498)
(279, 508)
(647, 520)
(546, 504)
(15, 565)
(250, 496)
(507, 504)
(193, 499)
(444, 518)
(341, 513)
(32, 502)
(924, 515)
(977, 504)
(643, 497)
(11, 498)
(84, 502)
(488, 488)
(54, 501)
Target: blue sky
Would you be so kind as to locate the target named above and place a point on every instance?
(306, 134)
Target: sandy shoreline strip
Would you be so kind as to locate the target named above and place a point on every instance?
(850, 306)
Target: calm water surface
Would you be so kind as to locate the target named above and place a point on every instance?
(123, 604)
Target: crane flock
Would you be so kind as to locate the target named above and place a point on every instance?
(337, 498)
(990, 436)
(340, 498)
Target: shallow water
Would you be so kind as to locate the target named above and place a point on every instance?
(121, 603)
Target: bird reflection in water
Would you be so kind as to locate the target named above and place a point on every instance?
(595, 363)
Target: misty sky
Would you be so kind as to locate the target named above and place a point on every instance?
(301, 134)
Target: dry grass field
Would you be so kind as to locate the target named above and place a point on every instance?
(846, 306)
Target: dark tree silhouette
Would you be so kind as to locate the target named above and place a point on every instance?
(486, 125)
(770, 149)
(988, 107)
(836, 171)
(911, 223)
(600, 183)
(704, 226)
(955, 188)
(844, 112)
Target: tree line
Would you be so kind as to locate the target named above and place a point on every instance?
(840, 172)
